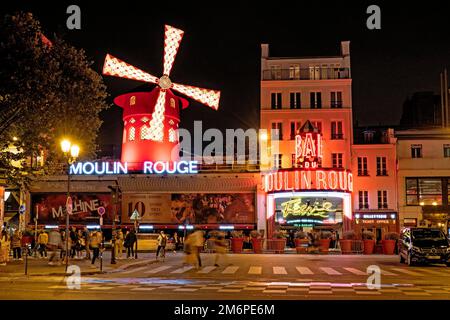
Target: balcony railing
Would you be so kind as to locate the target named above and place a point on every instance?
(307, 74)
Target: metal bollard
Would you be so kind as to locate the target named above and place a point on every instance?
(26, 262)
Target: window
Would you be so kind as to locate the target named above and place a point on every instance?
(416, 151)
(318, 125)
(382, 199)
(295, 100)
(424, 191)
(294, 72)
(336, 130)
(337, 160)
(275, 72)
(363, 199)
(315, 100)
(275, 100)
(368, 136)
(336, 99)
(446, 150)
(295, 126)
(131, 134)
(277, 161)
(362, 166)
(381, 166)
(277, 131)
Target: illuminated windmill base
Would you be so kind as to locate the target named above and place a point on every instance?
(137, 145)
(151, 120)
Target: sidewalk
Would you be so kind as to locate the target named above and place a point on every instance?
(40, 266)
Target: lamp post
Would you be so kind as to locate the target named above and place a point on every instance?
(71, 152)
(116, 192)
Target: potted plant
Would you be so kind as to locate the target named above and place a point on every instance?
(346, 242)
(278, 242)
(369, 242)
(301, 242)
(324, 242)
(257, 241)
(237, 241)
(27, 237)
(390, 239)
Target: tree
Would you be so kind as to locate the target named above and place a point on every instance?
(47, 91)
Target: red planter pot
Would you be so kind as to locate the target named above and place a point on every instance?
(237, 244)
(388, 246)
(324, 245)
(257, 245)
(26, 240)
(346, 246)
(369, 245)
(278, 245)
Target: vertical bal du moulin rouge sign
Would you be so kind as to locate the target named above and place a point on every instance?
(151, 119)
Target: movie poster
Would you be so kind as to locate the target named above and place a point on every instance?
(51, 208)
(190, 208)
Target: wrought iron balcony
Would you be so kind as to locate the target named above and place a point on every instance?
(306, 74)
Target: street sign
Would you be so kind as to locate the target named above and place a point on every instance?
(101, 211)
(69, 205)
(22, 209)
(135, 216)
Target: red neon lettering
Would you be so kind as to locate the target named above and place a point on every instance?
(305, 179)
(309, 149)
(286, 181)
(350, 182)
(321, 183)
(333, 180)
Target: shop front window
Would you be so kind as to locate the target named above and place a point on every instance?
(424, 191)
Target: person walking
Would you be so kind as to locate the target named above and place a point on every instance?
(162, 241)
(220, 248)
(4, 248)
(198, 242)
(119, 244)
(74, 242)
(42, 242)
(54, 243)
(86, 236)
(95, 245)
(130, 240)
(17, 245)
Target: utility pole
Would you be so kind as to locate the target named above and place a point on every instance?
(116, 195)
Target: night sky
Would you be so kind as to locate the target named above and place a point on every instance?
(221, 49)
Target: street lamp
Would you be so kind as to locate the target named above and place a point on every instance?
(71, 152)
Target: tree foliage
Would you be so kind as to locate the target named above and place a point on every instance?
(47, 91)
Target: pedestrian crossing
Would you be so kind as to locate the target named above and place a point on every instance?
(255, 270)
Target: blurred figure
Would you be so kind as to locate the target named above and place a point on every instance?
(220, 248)
(198, 243)
(86, 236)
(119, 244)
(17, 245)
(4, 248)
(130, 240)
(54, 242)
(42, 242)
(189, 250)
(81, 245)
(95, 245)
(162, 241)
(73, 242)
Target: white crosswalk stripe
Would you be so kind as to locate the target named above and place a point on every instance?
(387, 273)
(356, 271)
(330, 271)
(159, 269)
(183, 269)
(434, 272)
(255, 270)
(408, 272)
(304, 270)
(279, 270)
(207, 269)
(135, 270)
(230, 270)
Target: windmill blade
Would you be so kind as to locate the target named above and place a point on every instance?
(206, 96)
(118, 68)
(172, 41)
(156, 131)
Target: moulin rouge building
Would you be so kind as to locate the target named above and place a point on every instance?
(314, 175)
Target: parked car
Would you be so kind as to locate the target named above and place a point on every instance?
(424, 245)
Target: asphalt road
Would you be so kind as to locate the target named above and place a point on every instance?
(245, 276)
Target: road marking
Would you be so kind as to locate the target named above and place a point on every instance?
(279, 270)
(101, 288)
(143, 289)
(387, 273)
(304, 270)
(134, 270)
(330, 271)
(230, 270)
(58, 287)
(183, 269)
(255, 270)
(207, 269)
(408, 272)
(159, 269)
(434, 272)
(356, 271)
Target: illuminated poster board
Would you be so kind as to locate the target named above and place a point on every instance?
(192, 208)
(51, 208)
(309, 211)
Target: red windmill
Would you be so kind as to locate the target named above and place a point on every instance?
(151, 119)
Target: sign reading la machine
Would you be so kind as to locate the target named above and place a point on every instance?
(148, 167)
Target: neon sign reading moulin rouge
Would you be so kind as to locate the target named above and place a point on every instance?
(149, 167)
